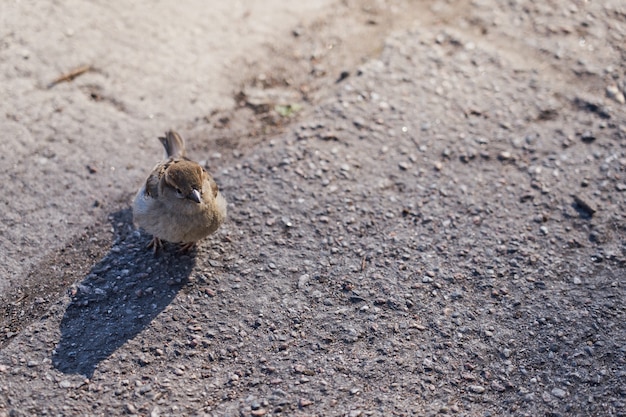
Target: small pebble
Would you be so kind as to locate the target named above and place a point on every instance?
(496, 386)
(504, 156)
(305, 402)
(559, 393)
(585, 204)
(477, 389)
(613, 93)
(588, 137)
(65, 384)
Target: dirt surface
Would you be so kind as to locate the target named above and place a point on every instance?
(426, 210)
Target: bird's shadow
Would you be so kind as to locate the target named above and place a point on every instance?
(118, 298)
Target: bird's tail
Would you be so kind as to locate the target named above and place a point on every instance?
(174, 144)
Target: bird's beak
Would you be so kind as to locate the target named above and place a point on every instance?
(195, 196)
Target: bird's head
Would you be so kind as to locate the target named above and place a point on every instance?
(185, 179)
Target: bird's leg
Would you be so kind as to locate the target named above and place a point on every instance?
(155, 244)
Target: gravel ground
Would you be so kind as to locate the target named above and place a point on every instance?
(441, 232)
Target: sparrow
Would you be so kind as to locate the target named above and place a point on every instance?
(179, 201)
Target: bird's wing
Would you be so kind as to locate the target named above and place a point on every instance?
(213, 184)
(152, 183)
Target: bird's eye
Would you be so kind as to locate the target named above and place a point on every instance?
(179, 193)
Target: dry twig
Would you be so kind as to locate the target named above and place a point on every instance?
(69, 76)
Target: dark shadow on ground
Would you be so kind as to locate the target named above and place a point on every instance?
(119, 297)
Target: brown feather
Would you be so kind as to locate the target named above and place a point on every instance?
(174, 144)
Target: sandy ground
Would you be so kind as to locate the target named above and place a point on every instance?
(426, 209)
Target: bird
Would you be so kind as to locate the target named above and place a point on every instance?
(179, 202)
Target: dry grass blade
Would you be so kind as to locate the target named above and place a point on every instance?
(69, 76)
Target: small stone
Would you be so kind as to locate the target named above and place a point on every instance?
(143, 389)
(215, 263)
(65, 384)
(584, 204)
(131, 409)
(359, 122)
(496, 386)
(559, 393)
(544, 230)
(404, 166)
(477, 389)
(504, 156)
(588, 137)
(305, 402)
(303, 281)
(613, 93)
(301, 369)
(258, 412)
(334, 136)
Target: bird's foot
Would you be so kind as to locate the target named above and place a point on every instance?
(186, 247)
(155, 244)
